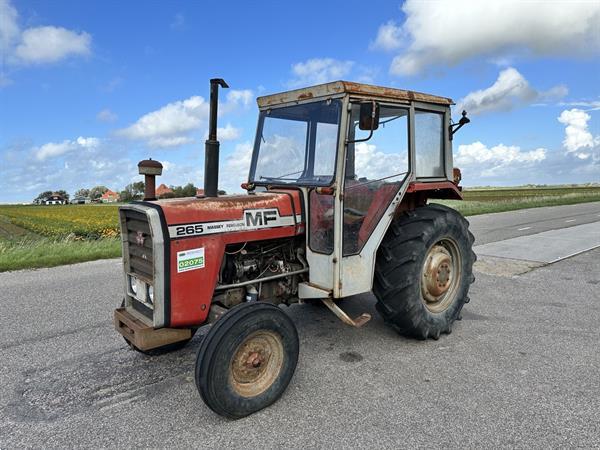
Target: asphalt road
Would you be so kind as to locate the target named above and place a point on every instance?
(520, 370)
(500, 226)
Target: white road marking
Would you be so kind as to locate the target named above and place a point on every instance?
(546, 247)
(524, 228)
(570, 220)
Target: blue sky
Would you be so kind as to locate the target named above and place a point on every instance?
(88, 88)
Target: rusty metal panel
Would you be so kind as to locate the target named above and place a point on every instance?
(143, 335)
(348, 87)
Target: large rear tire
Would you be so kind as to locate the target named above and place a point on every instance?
(247, 359)
(423, 271)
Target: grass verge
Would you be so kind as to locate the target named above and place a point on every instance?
(474, 207)
(32, 254)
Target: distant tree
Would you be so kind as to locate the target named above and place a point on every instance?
(43, 196)
(139, 187)
(133, 191)
(63, 194)
(97, 191)
(83, 192)
(189, 190)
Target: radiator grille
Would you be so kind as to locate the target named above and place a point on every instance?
(139, 244)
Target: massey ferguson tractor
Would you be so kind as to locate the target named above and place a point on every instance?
(337, 204)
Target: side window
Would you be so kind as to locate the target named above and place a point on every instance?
(325, 149)
(375, 170)
(429, 144)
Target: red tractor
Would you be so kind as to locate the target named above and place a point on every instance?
(337, 204)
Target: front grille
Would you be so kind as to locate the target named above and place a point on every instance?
(139, 244)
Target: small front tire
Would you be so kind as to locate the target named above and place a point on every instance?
(247, 359)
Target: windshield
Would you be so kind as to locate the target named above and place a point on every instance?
(297, 144)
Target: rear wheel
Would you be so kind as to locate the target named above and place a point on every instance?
(423, 271)
(247, 359)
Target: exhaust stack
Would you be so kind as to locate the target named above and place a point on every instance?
(211, 146)
(150, 169)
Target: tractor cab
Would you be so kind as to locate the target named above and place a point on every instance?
(354, 151)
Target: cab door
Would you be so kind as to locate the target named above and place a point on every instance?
(376, 175)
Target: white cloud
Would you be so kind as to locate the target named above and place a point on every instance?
(592, 105)
(578, 139)
(50, 44)
(106, 115)
(445, 33)
(388, 37)
(70, 165)
(173, 124)
(237, 97)
(510, 90)
(235, 168)
(319, 70)
(479, 160)
(228, 133)
(371, 163)
(9, 28)
(52, 150)
(38, 45)
(170, 125)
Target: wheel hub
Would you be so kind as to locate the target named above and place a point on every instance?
(440, 275)
(256, 363)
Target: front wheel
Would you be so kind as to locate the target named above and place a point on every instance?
(247, 359)
(423, 271)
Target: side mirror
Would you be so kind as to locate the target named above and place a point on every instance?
(457, 126)
(369, 116)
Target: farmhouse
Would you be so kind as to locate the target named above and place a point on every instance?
(163, 191)
(55, 199)
(81, 200)
(109, 197)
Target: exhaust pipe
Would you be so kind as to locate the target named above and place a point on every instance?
(211, 146)
(150, 169)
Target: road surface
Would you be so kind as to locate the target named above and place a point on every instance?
(520, 370)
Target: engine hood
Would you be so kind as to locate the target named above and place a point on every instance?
(231, 213)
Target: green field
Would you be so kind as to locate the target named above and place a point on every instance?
(47, 236)
(490, 200)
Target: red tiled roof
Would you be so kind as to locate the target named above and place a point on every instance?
(109, 194)
(163, 189)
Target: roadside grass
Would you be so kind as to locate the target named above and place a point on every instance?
(484, 201)
(34, 253)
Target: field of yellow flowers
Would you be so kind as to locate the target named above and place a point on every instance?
(80, 222)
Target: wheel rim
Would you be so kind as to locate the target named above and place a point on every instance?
(257, 363)
(440, 276)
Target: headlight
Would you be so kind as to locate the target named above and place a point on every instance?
(150, 294)
(133, 285)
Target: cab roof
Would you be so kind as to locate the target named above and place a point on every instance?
(349, 87)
